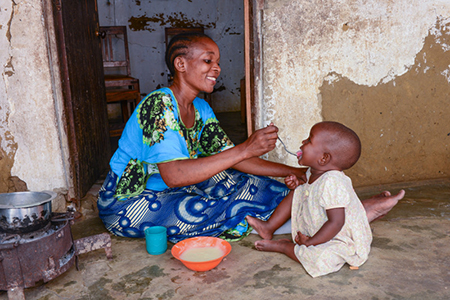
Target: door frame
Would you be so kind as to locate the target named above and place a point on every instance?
(58, 97)
(253, 10)
(76, 160)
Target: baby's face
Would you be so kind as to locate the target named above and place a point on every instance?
(312, 149)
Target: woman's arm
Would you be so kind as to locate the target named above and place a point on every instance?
(258, 166)
(336, 219)
(190, 171)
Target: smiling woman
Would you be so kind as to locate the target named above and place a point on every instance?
(176, 167)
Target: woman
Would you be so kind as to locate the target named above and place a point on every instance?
(172, 167)
(175, 167)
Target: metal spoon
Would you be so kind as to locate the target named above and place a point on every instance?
(295, 154)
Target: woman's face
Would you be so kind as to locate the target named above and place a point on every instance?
(202, 65)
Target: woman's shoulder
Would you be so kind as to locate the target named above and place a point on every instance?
(203, 108)
(159, 94)
(201, 103)
(156, 102)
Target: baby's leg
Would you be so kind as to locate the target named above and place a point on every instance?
(282, 246)
(280, 216)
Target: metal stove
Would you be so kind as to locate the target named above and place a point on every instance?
(44, 254)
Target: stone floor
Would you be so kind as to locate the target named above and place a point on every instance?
(410, 259)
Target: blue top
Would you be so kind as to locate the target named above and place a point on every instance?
(155, 133)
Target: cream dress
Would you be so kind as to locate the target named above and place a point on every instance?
(351, 245)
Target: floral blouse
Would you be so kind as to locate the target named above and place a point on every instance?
(155, 133)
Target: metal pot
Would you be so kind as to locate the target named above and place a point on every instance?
(24, 212)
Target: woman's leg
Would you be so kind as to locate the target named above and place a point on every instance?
(280, 216)
(376, 207)
(379, 205)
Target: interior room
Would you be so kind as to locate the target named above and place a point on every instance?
(149, 27)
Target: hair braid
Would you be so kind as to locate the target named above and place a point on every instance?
(179, 46)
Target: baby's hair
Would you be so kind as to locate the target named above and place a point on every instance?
(344, 143)
(179, 46)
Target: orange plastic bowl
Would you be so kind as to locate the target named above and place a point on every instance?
(201, 241)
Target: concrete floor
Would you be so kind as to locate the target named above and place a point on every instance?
(410, 259)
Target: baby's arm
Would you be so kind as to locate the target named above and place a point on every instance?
(336, 219)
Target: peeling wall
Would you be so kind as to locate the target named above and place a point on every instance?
(380, 67)
(145, 20)
(30, 147)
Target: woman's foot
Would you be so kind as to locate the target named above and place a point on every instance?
(260, 227)
(379, 205)
(273, 246)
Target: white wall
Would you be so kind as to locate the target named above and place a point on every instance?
(29, 131)
(368, 42)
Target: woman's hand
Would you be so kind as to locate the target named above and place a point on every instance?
(261, 141)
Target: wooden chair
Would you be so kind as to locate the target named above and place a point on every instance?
(120, 86)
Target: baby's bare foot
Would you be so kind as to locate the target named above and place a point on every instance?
(260, 227)
(379, 205)
(272, 245)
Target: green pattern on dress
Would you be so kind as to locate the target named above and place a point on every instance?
(133, 180)
(191, 135)
(213, 138)
(154, 115)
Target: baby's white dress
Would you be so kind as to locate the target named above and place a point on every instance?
(351, 245)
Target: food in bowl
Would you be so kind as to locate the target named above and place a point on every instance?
(201, 253)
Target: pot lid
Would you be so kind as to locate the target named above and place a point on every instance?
(25, 199)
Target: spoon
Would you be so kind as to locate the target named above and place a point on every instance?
(295, 154)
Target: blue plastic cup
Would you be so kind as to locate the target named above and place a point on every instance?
(156, 240)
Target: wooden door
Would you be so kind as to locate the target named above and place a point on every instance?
(79, 49)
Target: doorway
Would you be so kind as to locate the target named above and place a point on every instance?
(87, 164)
(223, 21)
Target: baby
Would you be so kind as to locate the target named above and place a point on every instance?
(329, 223)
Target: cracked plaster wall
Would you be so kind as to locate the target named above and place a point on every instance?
(30, 148)
(322, 52)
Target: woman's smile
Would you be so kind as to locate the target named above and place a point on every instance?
(213, 79)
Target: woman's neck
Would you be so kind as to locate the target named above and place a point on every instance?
(185, 101)
(184, 96)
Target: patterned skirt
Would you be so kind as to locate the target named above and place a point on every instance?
(205, 209)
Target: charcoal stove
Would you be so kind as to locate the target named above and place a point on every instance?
(44, 254)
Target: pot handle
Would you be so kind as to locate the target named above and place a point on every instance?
(8, 246)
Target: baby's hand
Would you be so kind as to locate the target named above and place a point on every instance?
(292, 182)
(301, 239)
